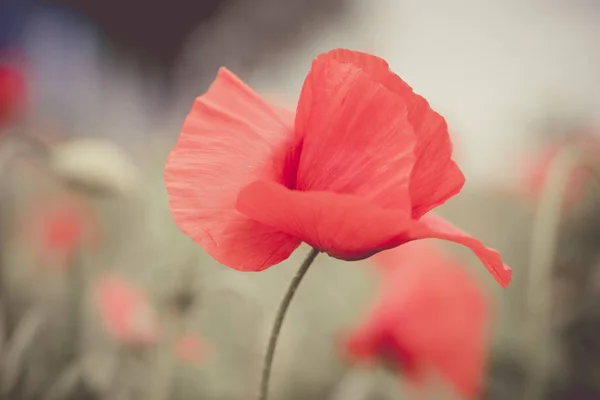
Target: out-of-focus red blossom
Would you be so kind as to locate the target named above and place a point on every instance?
(126, 312)
(59, 224)
(354, 171)
(189, 349)
(12, 92)
(431, 315)
(536, 171)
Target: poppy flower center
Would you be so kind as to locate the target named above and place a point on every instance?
(291, 164)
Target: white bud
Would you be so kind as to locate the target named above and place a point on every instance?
(94, 165)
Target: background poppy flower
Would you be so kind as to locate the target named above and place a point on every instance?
(59, 224)
(188, 349)
(126, 312)
(536, 171)
(12, 92)
(354, 173)
(430, 315)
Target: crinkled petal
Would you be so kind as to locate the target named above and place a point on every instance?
(345, 226)
(354, 135)
(433, 226)
(230, 138)
(435, 176)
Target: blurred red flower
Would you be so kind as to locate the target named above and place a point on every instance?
(59, 224)
(189, 349)
(356, 172)
(12, 92)
(536, 171)
(126, 312)
(430, 315)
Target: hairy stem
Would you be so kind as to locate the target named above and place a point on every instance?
(277, 324)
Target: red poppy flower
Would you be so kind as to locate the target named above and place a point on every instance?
(126, 312)
(536, 171)
(12, 92)
(354, 172)
(59, 224)
(188, 348)
(431, 315)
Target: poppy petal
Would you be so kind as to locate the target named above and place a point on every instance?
(373, 339)
(435, 176)
(230, 138)
(433, 226)
(363, 343)
(344, 226)
(189, 349)
(12, 92)
(58, 225)
(441, 316)
(355, 136)
(126, 312)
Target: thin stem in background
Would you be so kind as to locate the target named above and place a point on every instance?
(543, 251)
(278, 323)
(76, 300)
(160, 388)
(27, 331)
(115, 386)
(66, 384)
(178, 312)
(12, 146)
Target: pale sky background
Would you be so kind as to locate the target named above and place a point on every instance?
(492, 68)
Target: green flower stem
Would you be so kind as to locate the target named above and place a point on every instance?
(277, 324)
